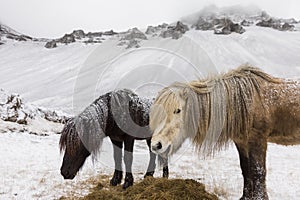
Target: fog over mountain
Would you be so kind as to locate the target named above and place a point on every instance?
(52, 18)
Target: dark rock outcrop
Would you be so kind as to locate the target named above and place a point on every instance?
(78, 34)
(233, 27)
(246, 23)
(180, 27)
(50, 45)
(52, 115)
(266, 23)
(94, 34)
(276, 24)
(151, 30)
(203, 25)
(175, 32)
(155, 30)
(132, 38)
(287, 27)
(67, 39)
(110, 33)
(12, 35)
(133, 44)
(18, 37)
(134, 33)
(164, 25)
(92, 40)
(218, 25)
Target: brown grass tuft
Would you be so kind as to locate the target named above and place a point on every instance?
(154, 189)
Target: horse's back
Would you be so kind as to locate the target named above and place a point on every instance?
(283, 102)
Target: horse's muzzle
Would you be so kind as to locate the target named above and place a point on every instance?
(156, 146)
(158, 149)
(67, 175)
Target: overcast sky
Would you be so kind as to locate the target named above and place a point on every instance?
(53, 18)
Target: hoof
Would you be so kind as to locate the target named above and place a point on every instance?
(128, 181)
(114, 182)
(126, 185)
(149, 174)
(117, 178)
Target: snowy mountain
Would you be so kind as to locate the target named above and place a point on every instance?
(64, 75)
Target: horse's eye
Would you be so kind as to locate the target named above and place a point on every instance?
(176, 111)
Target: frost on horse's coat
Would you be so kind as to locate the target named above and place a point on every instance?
(245, 105)
(120, 115)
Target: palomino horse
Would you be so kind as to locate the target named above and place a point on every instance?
(245, 105)
(120, 115)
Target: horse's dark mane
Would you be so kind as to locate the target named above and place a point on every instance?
(69, 138)
(100, 117)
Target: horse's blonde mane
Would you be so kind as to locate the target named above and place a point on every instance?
(218, 108)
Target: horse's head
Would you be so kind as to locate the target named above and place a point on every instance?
(166, 122)
(75, 151)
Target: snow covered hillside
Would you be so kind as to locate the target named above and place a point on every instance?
(70, 72)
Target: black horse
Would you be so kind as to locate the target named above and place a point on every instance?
(120, 115)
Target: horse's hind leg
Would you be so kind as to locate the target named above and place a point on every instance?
(151, 166)
(257, 155)
(118, 174)
(245, 166)
(128, 157)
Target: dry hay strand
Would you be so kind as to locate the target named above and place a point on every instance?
(153, 189)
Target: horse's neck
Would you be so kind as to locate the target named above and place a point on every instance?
(102, 107)
(139, 110)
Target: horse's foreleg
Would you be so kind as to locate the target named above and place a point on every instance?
(165, 167)
(245, 166)
(164, 162)
(257, 156)
(118, 174)
(128, 157)
(151, 166)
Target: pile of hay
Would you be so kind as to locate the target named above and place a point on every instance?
(154, 189)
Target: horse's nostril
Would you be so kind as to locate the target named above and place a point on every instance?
(65, 173)
(159, 146)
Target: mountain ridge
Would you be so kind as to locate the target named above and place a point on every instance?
(220, 20)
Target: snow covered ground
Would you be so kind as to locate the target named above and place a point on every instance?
(30, 169)
(69, 77)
